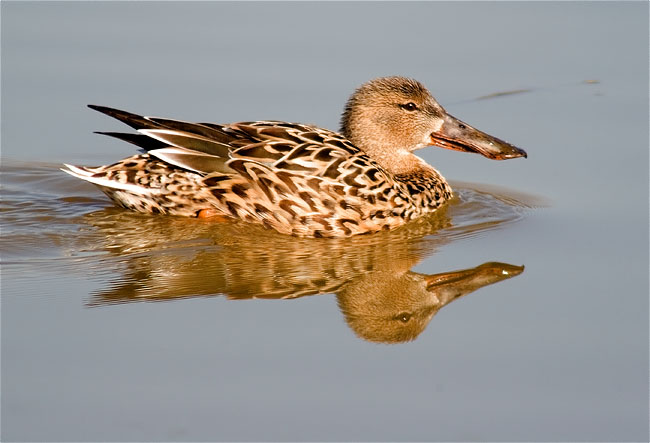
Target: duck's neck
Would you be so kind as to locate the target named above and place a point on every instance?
(398, 162)
(386, 151)
(418, 178)
(403, 164)
(425, 175)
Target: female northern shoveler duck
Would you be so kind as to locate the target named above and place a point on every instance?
(297, 179)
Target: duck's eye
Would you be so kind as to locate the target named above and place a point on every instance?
(404, 317)
(410, 106)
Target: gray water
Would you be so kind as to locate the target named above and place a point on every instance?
(125, 327)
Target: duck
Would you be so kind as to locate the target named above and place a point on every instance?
(298, 179)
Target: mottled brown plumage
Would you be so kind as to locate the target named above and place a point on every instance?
(297, 179)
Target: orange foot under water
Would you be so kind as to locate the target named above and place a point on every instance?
(212, 214)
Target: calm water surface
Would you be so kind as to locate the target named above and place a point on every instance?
(125, 327)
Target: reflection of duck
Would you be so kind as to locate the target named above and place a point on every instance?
(298, 179)
(397, 309)
(380, 297)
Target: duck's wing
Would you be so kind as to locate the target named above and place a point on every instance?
(198, 147)
(208, 148)
(297, 149)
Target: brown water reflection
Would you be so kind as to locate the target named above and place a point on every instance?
(380, 297)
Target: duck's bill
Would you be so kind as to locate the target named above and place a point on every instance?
(468, 280)
(459, 136)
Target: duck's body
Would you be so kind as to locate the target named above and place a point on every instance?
(297, 179)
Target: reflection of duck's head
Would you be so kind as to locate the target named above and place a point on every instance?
(393, 308)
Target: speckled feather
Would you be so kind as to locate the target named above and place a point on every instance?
(297, 179)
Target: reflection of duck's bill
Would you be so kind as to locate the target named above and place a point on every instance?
(459, 136)
(474, 278)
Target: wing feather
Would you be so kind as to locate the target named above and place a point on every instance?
(193, 160)
(205, 148)
(134, 120)
(189, 141)
(214, 132)
(140, 140)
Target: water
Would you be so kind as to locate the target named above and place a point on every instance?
(125, 327)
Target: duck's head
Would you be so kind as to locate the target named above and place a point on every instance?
(391, 117)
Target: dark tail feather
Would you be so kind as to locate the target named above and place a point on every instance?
(134, 120)
(140, 140)
(216, 138)
(214, 132)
